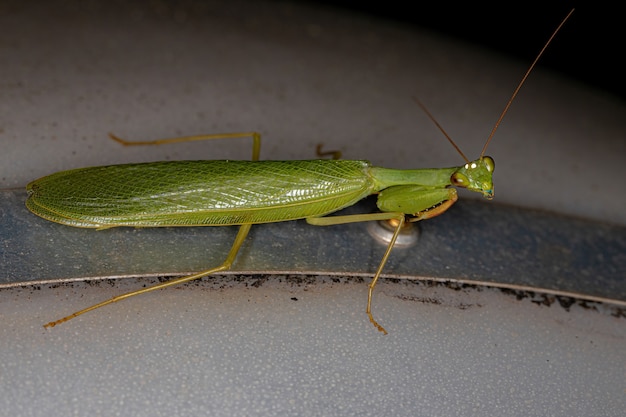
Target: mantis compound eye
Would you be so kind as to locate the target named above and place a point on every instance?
(459, 180)
(490, 164)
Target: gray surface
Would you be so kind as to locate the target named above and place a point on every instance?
(474, 241)
(224, 348)
(285, 345)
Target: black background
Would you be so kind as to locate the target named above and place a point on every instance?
(590, 48)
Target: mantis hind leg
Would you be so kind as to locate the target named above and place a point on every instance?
(256, 140)
(232, 254)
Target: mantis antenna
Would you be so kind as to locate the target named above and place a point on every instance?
(508, 104)
(431, 117)
(519, 86)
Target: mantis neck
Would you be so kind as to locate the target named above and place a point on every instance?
(429, 177)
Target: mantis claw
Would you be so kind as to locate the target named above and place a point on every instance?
(375, 323)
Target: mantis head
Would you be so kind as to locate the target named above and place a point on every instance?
(476, 176)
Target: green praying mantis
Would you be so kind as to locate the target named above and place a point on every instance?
(244, 193)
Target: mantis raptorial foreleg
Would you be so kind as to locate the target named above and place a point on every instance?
(439, 200)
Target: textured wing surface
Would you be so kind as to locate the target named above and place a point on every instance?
(188, 193)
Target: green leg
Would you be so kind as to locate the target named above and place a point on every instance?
(239, 239)
(256, 140)
(241, 235)
(421, 203)
(321, 153)
(398, 217)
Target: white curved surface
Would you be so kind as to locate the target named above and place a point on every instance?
(72, 73)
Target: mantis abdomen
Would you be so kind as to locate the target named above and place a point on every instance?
(196, 193)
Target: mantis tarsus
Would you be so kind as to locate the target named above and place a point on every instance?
(243, 193)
